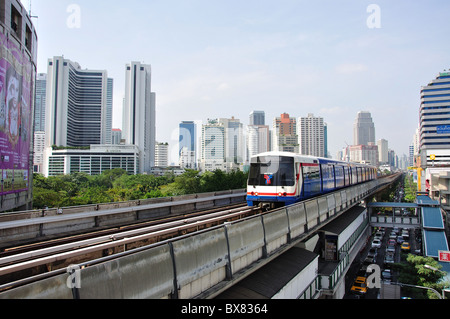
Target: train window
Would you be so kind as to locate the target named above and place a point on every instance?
(272, 171)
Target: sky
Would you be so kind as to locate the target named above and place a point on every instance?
(218, 59)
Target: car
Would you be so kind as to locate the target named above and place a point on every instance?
(390, 249)
(373, 252)
(400, 239)
(392, 242)
(405, 246)
(386, 274)
(389, 258)
(378, 236)
(359, 286)
(376, 243)
(393, 236)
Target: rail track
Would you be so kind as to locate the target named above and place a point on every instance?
(17, 263)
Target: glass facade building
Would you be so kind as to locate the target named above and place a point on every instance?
(435, 113)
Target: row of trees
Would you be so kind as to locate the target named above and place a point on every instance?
(116, 185)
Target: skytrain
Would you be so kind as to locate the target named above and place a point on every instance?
(282, 178)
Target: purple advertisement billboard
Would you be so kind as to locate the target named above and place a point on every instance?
(15, 116)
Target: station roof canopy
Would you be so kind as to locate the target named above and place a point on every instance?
(432, 218)
(434, 240)
(426, 200)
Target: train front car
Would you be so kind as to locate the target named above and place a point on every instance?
(273, 179)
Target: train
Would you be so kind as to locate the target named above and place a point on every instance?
(281, 178)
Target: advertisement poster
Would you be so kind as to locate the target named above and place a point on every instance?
(15, 116)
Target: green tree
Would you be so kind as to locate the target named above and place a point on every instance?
(414, 272)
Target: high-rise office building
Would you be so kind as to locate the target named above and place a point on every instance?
(363, 129)
(39, 106)
(383, 151)
(361, 153)
(162, 154)
(109, 111)
(139, 111)
(285, 138)
(311, 135)
(257, 118)
(77, 108)
(435, 121)
(258, 134)
(213, 146)
(258, 139)
(234, 142)
(78, 122)
(187, 144)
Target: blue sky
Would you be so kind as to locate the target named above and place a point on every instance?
(216, 58)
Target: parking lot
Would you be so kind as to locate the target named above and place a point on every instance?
(383, 248)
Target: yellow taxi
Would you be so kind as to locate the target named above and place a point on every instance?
(360, 285)
(405, 246)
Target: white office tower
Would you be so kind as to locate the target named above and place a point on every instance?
(162, 155)
(213, 146)
(76, 105)
(363, 129)
(311, 135)
(258, 138)
(383, 151)
(139, 111)
(234, 143)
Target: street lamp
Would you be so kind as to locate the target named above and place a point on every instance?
(421, 287)
(434, 269)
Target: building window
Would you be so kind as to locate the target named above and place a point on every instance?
(16, 21)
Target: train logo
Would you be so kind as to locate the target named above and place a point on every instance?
(268, 179)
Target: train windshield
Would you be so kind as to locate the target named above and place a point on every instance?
(272, 171)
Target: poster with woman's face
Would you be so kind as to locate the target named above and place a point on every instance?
(15, 116)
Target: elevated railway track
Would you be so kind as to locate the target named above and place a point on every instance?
(258, 239)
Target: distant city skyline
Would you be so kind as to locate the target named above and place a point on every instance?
(230, 58)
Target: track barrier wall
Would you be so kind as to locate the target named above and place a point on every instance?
(27, 226)
(191, 265)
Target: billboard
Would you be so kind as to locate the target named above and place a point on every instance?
(16, 100)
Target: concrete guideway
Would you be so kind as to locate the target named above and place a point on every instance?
(37, 228)
(204, 264)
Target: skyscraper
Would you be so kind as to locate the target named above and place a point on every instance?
(258, 134)
(39, 107)
(285, 138)
(187, 144)
(139, 111)
(257, 118)
(311, 135)
(363, 129)
(383, 151)
(213, 146)
(76, 105)
(234, 142)
(435, 121)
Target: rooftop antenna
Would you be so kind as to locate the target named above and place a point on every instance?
(29, 12)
